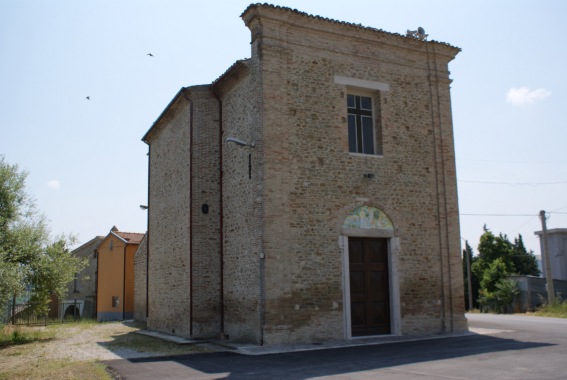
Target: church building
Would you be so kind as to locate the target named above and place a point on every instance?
(309, 193)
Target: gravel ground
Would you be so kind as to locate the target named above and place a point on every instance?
(82, 344)
(88, 342)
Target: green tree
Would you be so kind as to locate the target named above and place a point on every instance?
(506, 290)
(475, 285)
(492, 247)
(493, 286)
(30, 260)
(498, 258)
(525, 263)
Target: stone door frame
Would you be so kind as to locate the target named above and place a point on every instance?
(393, 252)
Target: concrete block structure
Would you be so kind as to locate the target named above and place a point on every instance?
(557, 247)
(309, 193)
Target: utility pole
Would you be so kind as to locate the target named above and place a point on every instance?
(545, 253)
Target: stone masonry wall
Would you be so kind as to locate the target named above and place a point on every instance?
(205, 215)
(311, 181)
(184, 246)
(242, 203)
(168, 219)
(140, 270)
(285, 199)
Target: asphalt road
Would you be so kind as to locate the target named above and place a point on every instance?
(504, 347)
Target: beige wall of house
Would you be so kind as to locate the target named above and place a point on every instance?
(83, 288)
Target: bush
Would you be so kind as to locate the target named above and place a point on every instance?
(501, 299)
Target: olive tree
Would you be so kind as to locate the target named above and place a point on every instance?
(30, 259)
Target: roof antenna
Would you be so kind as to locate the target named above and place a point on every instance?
(419, 33)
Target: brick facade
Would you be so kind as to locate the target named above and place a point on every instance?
(269, 260)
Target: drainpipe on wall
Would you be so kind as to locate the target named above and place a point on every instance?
(435, 148)
(191, 135)
(444, 184)
(97, 293)
(221, 220)
(444, 191)
(124, 286)
(148, 240)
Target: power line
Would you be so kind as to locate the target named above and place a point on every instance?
(498, 214)
(533, 184)
(513, 162)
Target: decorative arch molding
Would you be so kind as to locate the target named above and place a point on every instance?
(367, 221)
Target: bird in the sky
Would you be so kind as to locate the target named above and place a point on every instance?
(150, 54)
(88, 98)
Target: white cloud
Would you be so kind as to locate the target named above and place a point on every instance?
(523, 96)
(54, 184)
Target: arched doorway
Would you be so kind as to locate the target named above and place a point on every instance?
(370, 276)
(72, 313)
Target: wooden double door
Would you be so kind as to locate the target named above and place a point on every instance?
(369, 286)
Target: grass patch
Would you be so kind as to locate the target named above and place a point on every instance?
(73, 350)
(12, 335)
(556, 310)
(58, 369)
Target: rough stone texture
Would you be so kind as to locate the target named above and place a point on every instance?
(282, 267)
(140, 271)
(184, 261)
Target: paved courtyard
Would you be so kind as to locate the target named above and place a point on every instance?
(498, 347)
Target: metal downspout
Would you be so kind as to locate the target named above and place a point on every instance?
(443, 322)
(221, 219)
(444, 190)
(124, 285)
(191, 135)
(97, 284)
(148, 239)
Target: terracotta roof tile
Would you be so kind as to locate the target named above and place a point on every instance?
(359, 26)
(131, 237)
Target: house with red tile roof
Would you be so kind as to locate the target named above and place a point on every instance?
(115, 275)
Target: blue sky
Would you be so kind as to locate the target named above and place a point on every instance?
(87, 164)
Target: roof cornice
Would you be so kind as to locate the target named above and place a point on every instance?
(285, 14)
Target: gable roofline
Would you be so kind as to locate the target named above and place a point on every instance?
(128, 237)
(233, 69)
(93, 240)
(344, 23)
(162, 114)
(182, 93)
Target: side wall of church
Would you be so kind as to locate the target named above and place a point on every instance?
(168, 280)
(184, 246)
(205, 214)
(243, 186)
